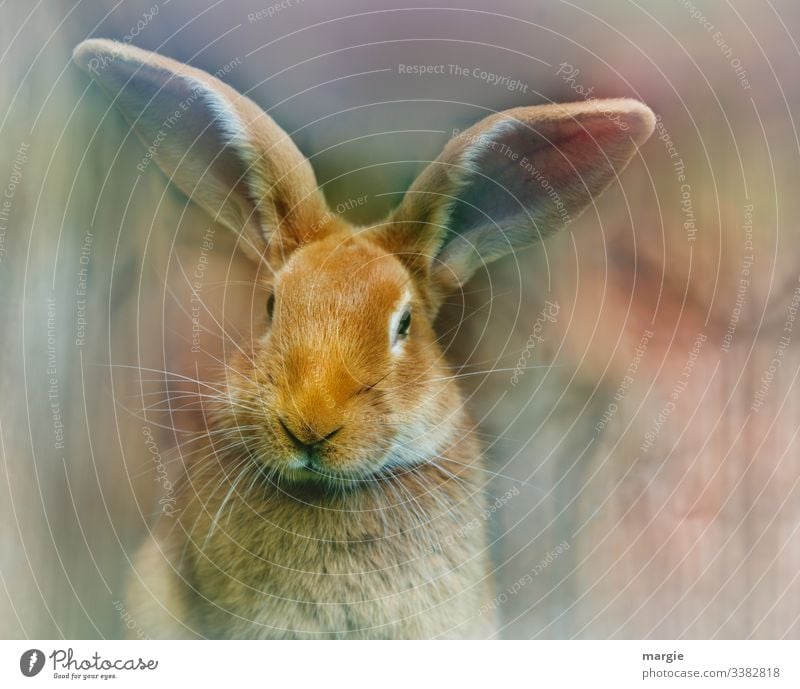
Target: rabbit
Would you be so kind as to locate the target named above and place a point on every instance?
(337, 491)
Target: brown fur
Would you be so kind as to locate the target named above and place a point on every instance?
(403, 554)
(383, 533)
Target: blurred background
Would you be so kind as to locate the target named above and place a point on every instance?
(649, 446)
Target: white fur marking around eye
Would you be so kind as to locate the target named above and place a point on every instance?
(398, 342)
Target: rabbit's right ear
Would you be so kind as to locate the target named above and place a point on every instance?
(216, 145)
(509, 181)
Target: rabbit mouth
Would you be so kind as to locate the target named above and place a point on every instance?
(357, 473)
(337, 480)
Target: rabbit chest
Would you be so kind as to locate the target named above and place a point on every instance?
(401, 558)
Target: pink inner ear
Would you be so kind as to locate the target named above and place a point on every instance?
(173, 122)
(546, 169)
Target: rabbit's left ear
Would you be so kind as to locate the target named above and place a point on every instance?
(510, 180)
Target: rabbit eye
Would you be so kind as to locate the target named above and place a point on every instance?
(270, 306)
(404, 324)
(400, 324)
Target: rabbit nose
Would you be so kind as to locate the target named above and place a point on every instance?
(311, 440)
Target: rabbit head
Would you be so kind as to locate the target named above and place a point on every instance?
(347, 379)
